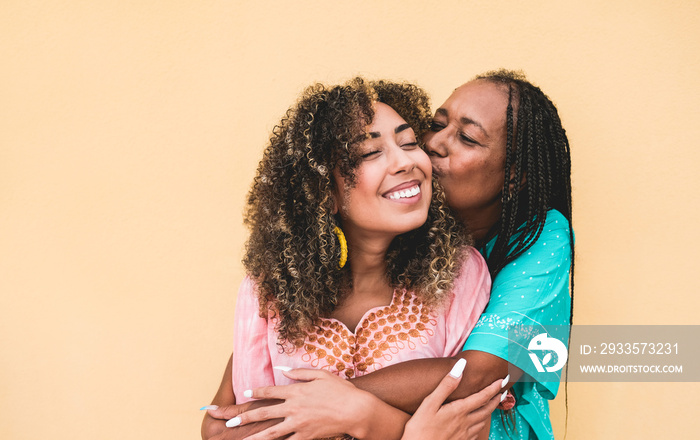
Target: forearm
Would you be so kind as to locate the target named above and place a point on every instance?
(380, 421)
(224, 397)
(405, 385)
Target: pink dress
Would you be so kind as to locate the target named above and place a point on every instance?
(401, 331)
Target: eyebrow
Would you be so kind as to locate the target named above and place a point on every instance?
(399, 129)
(464, 120)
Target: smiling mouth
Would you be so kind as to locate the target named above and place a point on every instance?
(404, 193)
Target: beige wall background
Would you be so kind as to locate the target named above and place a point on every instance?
(130, 131)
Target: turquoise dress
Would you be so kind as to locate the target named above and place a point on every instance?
(530, 294)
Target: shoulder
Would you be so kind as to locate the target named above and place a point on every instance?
(473, 278)
(248, 294)
(472, 264)
(554, 241)
(548, 257)
(555, 220)
(247, 286)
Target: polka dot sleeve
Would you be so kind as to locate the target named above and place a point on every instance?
(532, 291)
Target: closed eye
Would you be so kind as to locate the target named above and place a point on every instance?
(436, 126)
(464, 138)
(410, 145)
(370, 154)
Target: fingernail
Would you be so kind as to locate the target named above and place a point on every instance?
(233, 422)
(282, 368)
(209, 407)
(458, 368)
(504, 382)
(503, 397)
(248, 393)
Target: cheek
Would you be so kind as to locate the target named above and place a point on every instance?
(482, 170)
(496, 171)
(470, 170)
(493, 175)
(473, 180)
(424, 164)
(357, 197)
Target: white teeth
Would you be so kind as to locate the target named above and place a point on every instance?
(411, 192)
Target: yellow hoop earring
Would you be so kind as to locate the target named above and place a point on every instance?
(343, 247)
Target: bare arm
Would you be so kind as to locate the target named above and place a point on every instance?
(405, 385)
(214, 423)
(224, 396)
(464, 418)
(372, 418)
(322, 404)
(395, 384)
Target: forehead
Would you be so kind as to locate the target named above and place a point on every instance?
(481, 101)
(385, 117)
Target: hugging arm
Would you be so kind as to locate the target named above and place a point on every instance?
(212, 426)
(464, 418)
(321, 404)
(374, 420)
(214, 423)
(405, 385)
(530, 292)
(293, 410)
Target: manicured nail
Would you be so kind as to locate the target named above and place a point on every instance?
(233, 422)
(209, 407)
(458, 368)
(503, 397)
(282, 368)
(505, 381)
(248, 393)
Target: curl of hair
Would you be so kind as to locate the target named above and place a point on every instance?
(292, 252)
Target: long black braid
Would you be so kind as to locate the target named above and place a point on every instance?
(538, 154)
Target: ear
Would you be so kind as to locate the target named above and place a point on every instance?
(336, 205)
(334, 210)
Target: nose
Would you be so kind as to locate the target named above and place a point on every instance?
(435, 143)
(401, 161)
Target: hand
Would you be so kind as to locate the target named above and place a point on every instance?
(463, 418)
(323, 406)
(214, 426)
(214, 422)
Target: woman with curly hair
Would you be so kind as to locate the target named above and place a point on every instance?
(354, 261)
(498, 147)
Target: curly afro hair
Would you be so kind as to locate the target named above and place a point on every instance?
(292, 253)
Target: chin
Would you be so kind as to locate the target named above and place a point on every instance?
(411, 226)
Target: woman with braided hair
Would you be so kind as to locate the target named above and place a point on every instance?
(498, 147)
